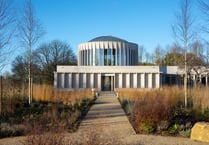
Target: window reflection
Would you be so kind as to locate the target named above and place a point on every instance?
(101, 57)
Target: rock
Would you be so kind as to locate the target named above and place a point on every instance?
(200, 132)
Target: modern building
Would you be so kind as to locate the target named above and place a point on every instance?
(107, 63)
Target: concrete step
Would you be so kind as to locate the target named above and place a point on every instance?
(107, 93)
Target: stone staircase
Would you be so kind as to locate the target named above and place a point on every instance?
(107, 93)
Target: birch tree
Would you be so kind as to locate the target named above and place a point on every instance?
(30, 31)
(184, 32)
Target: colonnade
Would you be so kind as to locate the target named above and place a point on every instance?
(93, 80)
(107, 53)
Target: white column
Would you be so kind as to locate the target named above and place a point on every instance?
(127, 56)
(87, 56)
(150, 80)
(92, 80)
(84, 80)
(77, 80)
(84, 57)
(120, 57)
(94, 56)
(79, 58)
(112, 83)
(90, 57)
(63, 81)
(206, 80)
(120, 80)
(124, 56)
(128, 80)
(142, 80)
(157, 80)
(135, 80)
(99, 81)
(70, 80)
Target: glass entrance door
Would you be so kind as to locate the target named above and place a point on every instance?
(107, 83)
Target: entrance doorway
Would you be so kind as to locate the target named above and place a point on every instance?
(107, 83)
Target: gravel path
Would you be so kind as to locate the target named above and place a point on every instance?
(106, 122)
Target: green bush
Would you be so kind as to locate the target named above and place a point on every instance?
(185, 133)
(126, 106)
(206, 113)
(148, 128)
(174, 129)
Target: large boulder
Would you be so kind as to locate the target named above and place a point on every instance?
(200, 132)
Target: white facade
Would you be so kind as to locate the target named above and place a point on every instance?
(107, 51)
(78, 77)
(105, 64)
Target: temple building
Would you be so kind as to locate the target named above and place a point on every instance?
(107, 63)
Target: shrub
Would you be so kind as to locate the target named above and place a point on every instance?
(164, 108)
(41, 136)
(126, 106)
(174, 129)
(150, 110)
(206, 113)
(148, 128)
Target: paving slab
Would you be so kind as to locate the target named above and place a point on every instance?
(107, 118)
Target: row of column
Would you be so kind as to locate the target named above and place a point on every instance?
(93, 80)
(119, 56)
(76, 80)
(138, 80)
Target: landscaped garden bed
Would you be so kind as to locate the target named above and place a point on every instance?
(162, 111)
(62, 114)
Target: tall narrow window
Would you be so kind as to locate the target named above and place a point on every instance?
(113, 56)
(105, 57)
(119, 56)
(109, 56)
(101, 57)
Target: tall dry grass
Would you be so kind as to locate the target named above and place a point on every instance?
(152, 107)
(48, 93)
(198, 98)
(15, 94)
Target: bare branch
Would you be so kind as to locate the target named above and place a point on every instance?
(6, 31)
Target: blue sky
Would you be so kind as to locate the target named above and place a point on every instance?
(145, 22)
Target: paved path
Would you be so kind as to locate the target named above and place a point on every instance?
(107, 118)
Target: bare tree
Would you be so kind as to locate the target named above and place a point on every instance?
(49, 55)
(184, 32)
(158, 55)
(6, 30)
(30, 31)
(6, 33)
(204, 6)
(197, 48)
